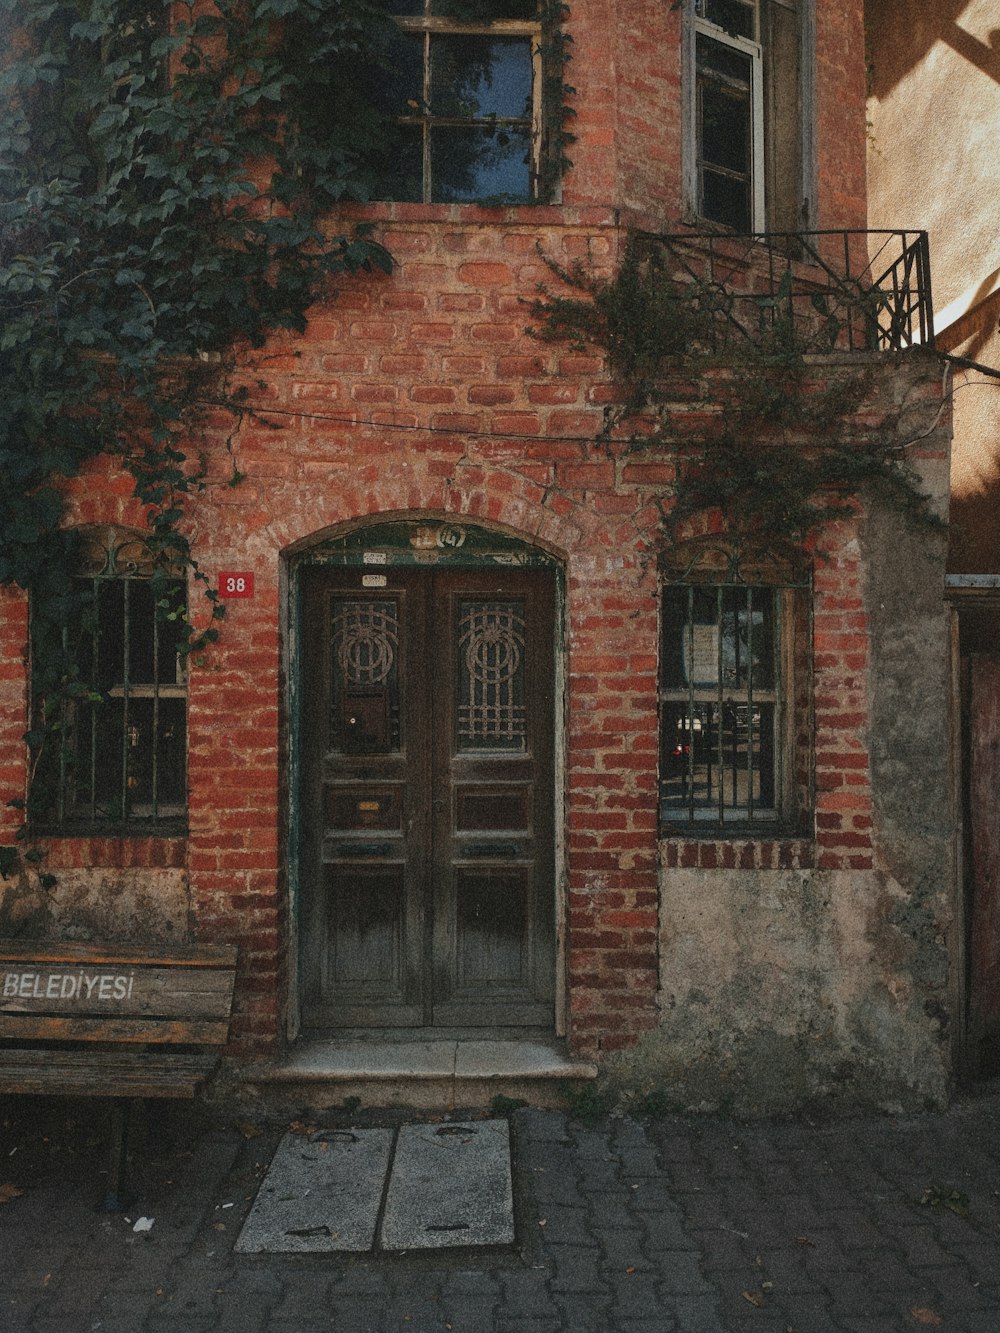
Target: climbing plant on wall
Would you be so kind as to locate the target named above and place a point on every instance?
(167, 174)
(779, 445)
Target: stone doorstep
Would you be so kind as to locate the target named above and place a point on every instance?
(416, 1188)
(429, 1075)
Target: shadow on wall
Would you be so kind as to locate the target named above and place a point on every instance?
(904, 31)
(975, 534)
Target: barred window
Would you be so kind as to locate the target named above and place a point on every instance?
(467, 98)
(733, 644)
(116, 754)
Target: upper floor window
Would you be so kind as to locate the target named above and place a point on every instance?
(467, 101)
(114, 754)
(733, 664)
(748, 122)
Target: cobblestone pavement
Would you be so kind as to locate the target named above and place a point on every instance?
(673, 1225)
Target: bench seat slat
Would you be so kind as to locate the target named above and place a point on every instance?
(156, 1031)
(75, 953)
(103, 1074)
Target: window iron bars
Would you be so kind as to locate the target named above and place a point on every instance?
(723, 695)
(124, 756)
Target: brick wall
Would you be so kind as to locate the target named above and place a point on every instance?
(422, 393)
(13, 706)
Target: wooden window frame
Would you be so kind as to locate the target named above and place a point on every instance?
(782, 153)
(428, 26)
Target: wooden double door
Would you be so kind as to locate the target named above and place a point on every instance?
(427, 797)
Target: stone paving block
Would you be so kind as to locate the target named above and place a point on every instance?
(526, 1293)
(882, 1324)
(450, 1185)
(664, 1232)
(850, 1294)
(591, 1313)
(825, 1255)
(704, 1210)
(635, 1295)
(596, 1173)
(954, 1287)
(575, 1268)
(369, 1279)
(303, 1295)
(682, 1275)
(653, 1196)
(566, 1225)
(622, 1248)
(470, 1285)
(673, 1143)
(525, 1325)
(977, 1321)
(158, 1323)
(697, 1314)
(469, 1316)
(661, 1324)
(552, 1186)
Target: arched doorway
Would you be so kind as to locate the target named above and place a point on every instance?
(426, 724)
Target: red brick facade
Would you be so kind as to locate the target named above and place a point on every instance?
(421, 394)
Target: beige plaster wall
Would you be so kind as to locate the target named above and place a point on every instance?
(934, 108)
(934, 164)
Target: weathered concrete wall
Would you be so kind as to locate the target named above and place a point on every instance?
(109, 904)
(784, 988)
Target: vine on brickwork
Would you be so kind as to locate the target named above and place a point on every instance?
(167, 175)
(779, 449)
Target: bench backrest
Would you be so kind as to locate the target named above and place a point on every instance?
(55, 991)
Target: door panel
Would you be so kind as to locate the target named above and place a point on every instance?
(427, 798)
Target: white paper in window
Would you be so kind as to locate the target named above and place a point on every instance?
(705, 657)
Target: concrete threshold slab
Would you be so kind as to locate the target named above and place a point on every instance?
(443, 1185)
(381, 1070)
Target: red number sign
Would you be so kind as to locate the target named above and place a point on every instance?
(235, 584)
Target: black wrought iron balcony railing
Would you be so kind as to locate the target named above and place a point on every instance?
(821, 291)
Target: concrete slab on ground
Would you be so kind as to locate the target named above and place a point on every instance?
(445, 1185)
(322, 1192)
(450, 1185)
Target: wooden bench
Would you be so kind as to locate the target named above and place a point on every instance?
(125, 1022)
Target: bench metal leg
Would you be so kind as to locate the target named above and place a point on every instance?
(116, 1200)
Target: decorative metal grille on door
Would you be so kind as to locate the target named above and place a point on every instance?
(491, 711)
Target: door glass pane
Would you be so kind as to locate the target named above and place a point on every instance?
(365, 667)
(491, 709)
(484, 11)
